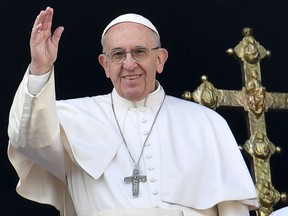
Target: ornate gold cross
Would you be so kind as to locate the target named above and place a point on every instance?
(256, 101)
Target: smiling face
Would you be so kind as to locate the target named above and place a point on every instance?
(132, 79)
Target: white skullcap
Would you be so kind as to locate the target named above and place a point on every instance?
(130, 17)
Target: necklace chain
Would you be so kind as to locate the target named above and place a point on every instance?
(136, 163)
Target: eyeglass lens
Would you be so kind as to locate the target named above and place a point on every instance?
(138, 54)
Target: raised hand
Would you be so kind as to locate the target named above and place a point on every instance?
(44, 43)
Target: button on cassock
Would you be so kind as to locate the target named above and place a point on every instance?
(155, 192)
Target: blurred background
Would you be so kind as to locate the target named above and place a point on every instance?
(196, 34)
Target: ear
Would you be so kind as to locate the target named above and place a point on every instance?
(103, 62)
(161, 59)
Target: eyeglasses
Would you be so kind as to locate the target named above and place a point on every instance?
(138, 54)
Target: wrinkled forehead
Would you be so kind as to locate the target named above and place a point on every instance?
(131, 17)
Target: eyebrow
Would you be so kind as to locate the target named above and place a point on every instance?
(120, 48)
(116, 49)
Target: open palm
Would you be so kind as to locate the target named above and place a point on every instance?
(44, 44)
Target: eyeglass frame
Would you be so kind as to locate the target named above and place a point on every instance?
(110, 53)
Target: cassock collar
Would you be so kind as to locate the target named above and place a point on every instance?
(154, 99)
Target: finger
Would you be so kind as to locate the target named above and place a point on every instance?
(38, 19)
(44, 18)
(35, 32)
(43, 22)
(37, 28)
(47, 19)
(57, 35)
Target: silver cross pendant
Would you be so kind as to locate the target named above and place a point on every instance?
(135, 179)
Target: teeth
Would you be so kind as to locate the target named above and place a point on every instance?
(130, 77)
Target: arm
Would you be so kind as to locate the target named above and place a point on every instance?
(34, 129)
(33, 124)
(37, 111)
(36, 148)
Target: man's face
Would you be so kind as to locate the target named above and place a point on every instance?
(132, 79)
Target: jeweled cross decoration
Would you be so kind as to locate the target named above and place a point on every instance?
(135, 179)
(256, 101)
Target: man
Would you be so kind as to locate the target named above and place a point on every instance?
(134, 151)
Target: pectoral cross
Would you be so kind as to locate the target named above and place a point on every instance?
(135, 179)
(256, 101)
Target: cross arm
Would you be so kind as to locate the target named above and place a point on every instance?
(207, 95)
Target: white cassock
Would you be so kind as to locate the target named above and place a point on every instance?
(191, 160)
(281, 212)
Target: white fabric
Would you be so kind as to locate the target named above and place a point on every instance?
(281, 212)
(138, 212)
(130, 17)
(232, 208)
(36, 83)
(224, 209)
(98, 160)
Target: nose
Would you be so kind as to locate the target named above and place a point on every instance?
(129, 63)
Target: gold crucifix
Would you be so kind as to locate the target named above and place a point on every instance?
(256, 101)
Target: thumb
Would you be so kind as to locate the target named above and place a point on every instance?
(57, 35)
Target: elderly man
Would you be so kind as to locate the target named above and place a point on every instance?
(134, 151)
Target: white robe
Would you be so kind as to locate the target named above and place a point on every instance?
(191, 159)
(281, 212)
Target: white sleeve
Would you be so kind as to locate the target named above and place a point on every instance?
(34, 129)
(37, 83)
(232, 208)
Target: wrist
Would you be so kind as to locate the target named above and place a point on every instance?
(39, 70)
